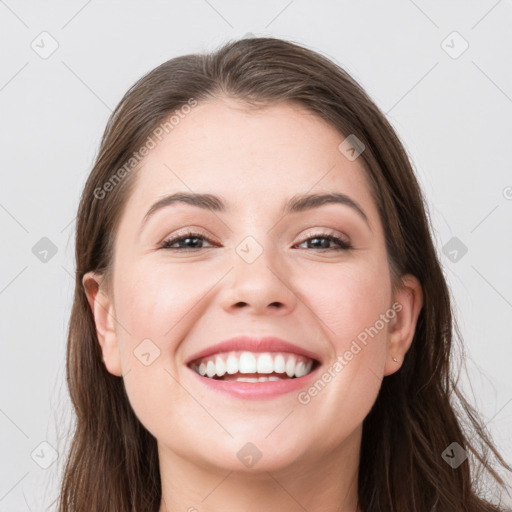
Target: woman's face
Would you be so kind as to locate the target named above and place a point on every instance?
(256, 270)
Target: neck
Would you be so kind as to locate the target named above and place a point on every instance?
(316, 481)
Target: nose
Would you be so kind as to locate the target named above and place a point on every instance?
(260, 287)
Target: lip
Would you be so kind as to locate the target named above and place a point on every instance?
(256, 390)
(250, 344)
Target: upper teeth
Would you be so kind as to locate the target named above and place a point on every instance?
(249, 362)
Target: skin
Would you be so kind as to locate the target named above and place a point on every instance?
(186, 301)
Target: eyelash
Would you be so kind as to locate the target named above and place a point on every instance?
(166, 244)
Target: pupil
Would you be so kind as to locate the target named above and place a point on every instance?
(191, 238)
(324, 244)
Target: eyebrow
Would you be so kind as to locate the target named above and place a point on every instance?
(298, 203)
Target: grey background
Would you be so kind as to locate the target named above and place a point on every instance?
(452, 110)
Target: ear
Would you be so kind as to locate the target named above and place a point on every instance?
(104, 319)
(407, 304)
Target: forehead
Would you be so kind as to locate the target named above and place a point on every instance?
(256, 159)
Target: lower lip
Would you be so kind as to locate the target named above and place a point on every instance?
(257, 390)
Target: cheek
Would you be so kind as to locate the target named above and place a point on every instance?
(156, 303)
(350, 302)
(152, 299)
(347, 298)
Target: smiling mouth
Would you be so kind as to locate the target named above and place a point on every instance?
(245, 366)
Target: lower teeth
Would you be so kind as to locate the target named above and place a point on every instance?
(251, 378)
(256, 379)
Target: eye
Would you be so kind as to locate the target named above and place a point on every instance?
(317, 239)
(192, 240)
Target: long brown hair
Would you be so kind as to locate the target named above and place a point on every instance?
(112, 463)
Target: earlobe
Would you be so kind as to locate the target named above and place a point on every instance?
(104, 320)
(408, 301)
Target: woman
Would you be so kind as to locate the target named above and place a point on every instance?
(260, 318)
